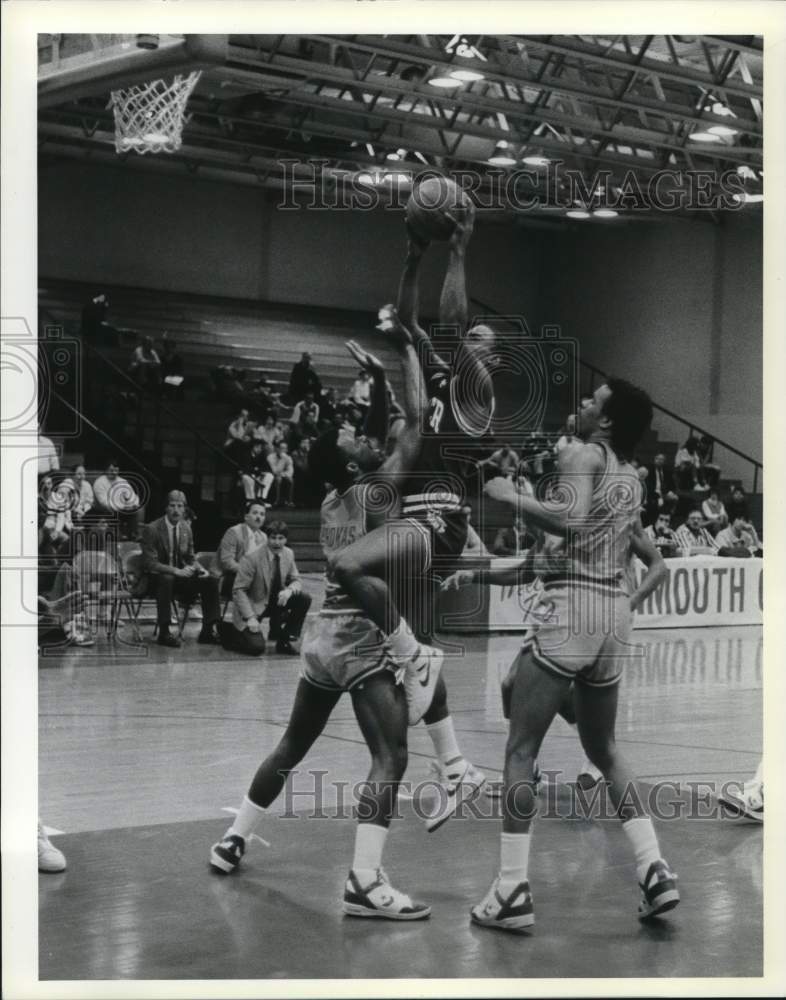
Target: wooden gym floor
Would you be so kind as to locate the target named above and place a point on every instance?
(141, 752)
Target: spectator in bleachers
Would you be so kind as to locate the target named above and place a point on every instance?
(739, 535)
(241, 540)
(237, 440)
(48, 460)
(737, 506)
(715, 516)
(268, 585)
(145, 365)
(303, 379)
(168, 556)
(172, 370)
(661, 496)
(280, 462)
(114, 495)
(256, 476)
(94, 324)
(267, 432)
(687, 464)
(710, 472)
(693, 539)
(360, 392)
(84, 493)
(327, 407)
(662, 536)
(306, 489)
(54, 517)
(502, 462)
(307, 407)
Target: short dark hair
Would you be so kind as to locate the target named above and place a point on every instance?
(325, 461)
(630, 410)
(277, 528)
(254, 503)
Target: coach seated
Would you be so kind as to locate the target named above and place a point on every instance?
(693, 538)
(267, 585)
(663, 537)
(168, 556)
(240, 540)
(739, 539)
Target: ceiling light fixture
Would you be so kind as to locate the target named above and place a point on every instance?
(536, 161)
(399, 154)
(704, 137)
(467, 75)
(501, 156)
(605, 213)
(577, 213)
(722, 130)
(444, 82)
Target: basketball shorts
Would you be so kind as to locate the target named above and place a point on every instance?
(447, 536)
(584, 633)
(338, 652)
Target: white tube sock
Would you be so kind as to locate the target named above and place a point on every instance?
(443, 736)
(369, 844)
(248, 816)
(641, 836)
(513, 859)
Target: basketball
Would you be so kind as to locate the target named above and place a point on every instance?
(427, 207)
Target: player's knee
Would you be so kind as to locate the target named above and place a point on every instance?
(344, 568)
(601, 754)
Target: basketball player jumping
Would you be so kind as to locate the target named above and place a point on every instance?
(585, 640)
(344, 651)
(395, 566)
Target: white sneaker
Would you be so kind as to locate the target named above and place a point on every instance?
(50, 859)
(748, 803)
(380, 899)
(457, 787)
(420, 680)
(507, 913)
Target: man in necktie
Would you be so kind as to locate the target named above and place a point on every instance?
(268, 585)
(168, 556)
(240, 540)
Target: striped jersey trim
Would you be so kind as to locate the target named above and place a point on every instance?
(432, 499)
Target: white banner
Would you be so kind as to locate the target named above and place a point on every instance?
(698, 591)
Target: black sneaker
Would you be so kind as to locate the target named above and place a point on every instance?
(166, 639)
(226, 854)
(209, 636)
(659, 891)
(285, 646)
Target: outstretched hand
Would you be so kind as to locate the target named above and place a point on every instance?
(368, 362)
(390, 324)
(461, 578)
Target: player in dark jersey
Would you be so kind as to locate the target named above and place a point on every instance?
(344, 651)
(390, 570)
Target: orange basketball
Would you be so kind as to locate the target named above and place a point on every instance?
(430, 200)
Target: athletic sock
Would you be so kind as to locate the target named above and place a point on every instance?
(403, 644)
(248, 816)
(369, 844)
(513, 860)
(641, 835)
(443, 736)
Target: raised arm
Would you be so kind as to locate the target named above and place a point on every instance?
(453, 307)
(408, 300)
(378, 417)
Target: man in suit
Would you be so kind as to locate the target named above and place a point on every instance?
(241, 540)
(661, 495)
(168, 556)
(267, 585)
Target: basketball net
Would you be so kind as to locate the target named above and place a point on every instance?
(149, 118)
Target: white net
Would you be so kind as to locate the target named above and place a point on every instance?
(149, 118)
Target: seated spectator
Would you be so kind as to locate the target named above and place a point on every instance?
(256, 476)
(238, 433)
(280, 462)
(54, 517)
(568, 435)
(740, 536)
(687, 464)
(267, 585)
(145, 365)
(693, 539)
(360, 392)
(511, 541)
(715, 516)
(115, 495)
(241, 540)
(303, 379)
(306, 407)
(327, 407)
(172, 370)
(268, 432)
(168, 556)
(48, 460)
(662, 537)
(503, 462)
(661, 495)
(84, 494)
(737, 506)
(709, 471)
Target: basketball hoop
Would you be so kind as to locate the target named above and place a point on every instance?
(149, 118)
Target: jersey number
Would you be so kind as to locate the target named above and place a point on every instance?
(437, 412)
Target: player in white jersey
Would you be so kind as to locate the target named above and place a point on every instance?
(343, 650)
(583, 640)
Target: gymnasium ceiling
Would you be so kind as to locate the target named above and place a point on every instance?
(626, 105)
